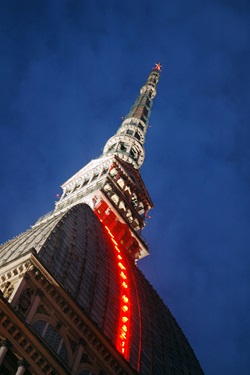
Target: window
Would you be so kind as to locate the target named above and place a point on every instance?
(130, 132)
(137, 135)
(140, 126)
(133, 153)
(85, 181)
(148, 102)
(122, 147)
(105, 170)
(95, 176)
(51, 337)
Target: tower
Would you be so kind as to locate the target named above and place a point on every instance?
(73, 300)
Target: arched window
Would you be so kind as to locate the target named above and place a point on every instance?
(52, 338)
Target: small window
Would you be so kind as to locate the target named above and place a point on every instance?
(140, 126)
(130, 132)
(122, 147)
(136, 135)
(132, 153)
(85, 182)
(95, 177)
(105, 170)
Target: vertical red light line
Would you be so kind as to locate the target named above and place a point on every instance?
(124, 311)
(123, 329)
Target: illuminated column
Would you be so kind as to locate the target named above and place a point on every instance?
(5, 345)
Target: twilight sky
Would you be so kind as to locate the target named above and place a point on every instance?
(71, 69)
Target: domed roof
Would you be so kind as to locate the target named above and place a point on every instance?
(79, 253)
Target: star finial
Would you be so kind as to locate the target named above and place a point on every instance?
(158, 66)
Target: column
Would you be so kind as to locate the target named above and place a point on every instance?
(39, 295)
(19, 287)
(78, 355)
(22, 365)
(5, 345)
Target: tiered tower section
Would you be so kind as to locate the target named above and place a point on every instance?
(128, 143)
(112, 185)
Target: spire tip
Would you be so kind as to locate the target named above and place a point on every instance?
(158, 67)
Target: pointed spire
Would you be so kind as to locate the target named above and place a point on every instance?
(128, 142)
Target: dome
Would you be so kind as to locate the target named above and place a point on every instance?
(80, 255)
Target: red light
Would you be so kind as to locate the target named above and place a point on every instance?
(122, 342)
(122, 274)
(125, 299)
(117, 249)
(121, 266)
(124, 285)
(114, 241)
(123, 336)
(124, 328)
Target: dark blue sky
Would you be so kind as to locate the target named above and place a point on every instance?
(71, 69)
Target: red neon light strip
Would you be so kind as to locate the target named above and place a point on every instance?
(124, 313)
(123, 330)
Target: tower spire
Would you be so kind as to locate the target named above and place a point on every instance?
(128, 142)
(111, 184)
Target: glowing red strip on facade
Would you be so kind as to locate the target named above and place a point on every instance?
(123, 320)
(122, 340)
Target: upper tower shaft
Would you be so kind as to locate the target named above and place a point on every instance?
(111, 184)
(128, 142)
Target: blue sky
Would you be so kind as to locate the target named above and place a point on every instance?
(71, 69)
